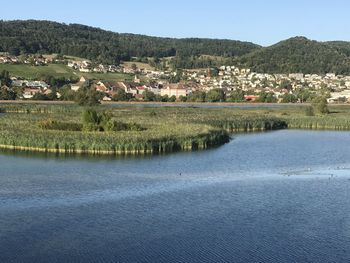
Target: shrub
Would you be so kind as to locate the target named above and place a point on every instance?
(309, 111)
(58, 125)
(94, 121)
(319, 104)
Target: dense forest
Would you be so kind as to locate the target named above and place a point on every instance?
(34, 36)
(300, 54)
(297, 54)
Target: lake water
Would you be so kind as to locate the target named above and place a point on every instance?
(209, 105)
(281, 196)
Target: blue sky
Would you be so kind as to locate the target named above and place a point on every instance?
(263, 22)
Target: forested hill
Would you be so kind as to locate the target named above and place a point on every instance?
(297, 54)
(34, 36)
(300, 54)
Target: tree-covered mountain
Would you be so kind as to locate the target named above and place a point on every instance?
(297, 54)
(32, 36)
(300, 54)
(341, 46)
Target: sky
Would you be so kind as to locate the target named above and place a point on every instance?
(263, 22)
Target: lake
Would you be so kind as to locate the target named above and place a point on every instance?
(280, 196)
(208, 105)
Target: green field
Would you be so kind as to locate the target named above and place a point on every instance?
(58, 70)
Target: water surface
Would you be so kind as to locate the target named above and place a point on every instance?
(282, 196)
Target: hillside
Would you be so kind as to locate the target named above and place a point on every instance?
(58, 71)
(47, 37)
(300, 54)
(293, 55)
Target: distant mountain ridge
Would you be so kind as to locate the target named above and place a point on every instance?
(32, 36)
(300, 54)
(293, 55)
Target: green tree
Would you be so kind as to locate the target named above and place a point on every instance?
(5, 78)
(320, 105)
(289, 98)
(149, 96)
(40, 96)
(88, 97)
(215, 95)
(183, 98)
(7, 94)
(197, 96)
(172, 98)
(237, 96)
(120, 95)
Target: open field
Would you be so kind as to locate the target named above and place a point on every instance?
(35, 72)
(58, 70)
(140, 65)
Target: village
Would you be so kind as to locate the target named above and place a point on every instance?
(178, 85)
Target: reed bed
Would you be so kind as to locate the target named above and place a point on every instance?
(22, 132)
(319, 123)
(25, 128)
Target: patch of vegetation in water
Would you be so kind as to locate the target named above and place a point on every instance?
(137, 130)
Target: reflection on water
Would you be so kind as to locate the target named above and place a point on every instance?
(281, 196)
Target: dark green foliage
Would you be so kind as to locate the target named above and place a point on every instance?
(197, 96)
(319, 105)
(236, 96)
(266, 98)
(88, 97)
(182, 98)
(67, 93)
(59, 125)
(309, 111)
(149, 96)
(215, 95)
(300, 55)
(40, 96)
(7, 94)
(121, 95)
(289, 98)
(172, 98)
(5, 78)
(104, 46)
(103, 121)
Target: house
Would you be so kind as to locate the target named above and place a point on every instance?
(140, 89)
(136, 79)
(76, 86)
(29, 93)
(131, 88)
(250, 97)
(339, 96)
(102, 87)
(176, 90)
(106, 98)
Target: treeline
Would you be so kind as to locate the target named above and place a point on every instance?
(32, 36)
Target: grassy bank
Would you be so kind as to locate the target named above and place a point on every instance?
(163, 129)
(59, 70)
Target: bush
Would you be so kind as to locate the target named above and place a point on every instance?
(94, 121)
(319, 104)
(309, 111)
(58, 125)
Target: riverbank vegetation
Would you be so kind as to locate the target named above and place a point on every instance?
(132, 129)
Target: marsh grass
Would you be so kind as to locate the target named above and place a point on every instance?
(57, 128)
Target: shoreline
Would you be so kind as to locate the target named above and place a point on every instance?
(126, 103)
